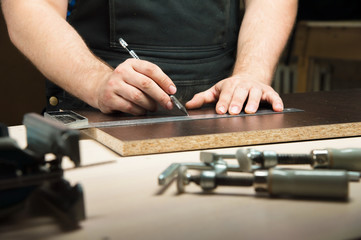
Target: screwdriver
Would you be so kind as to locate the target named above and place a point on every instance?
(174, 99)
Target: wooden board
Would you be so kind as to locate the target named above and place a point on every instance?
(326, 115)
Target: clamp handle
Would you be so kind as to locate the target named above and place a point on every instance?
(348, 158)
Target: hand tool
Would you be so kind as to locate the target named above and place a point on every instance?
(347, 159)
(209, 161)
(172, 171)
(174, 99)
(258, 169)
(29, 176)
(68, 118)
(276, 182)
(77, 121)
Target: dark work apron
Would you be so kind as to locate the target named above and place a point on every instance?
(193, 41)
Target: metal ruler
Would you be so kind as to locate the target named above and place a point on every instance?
(76, 124)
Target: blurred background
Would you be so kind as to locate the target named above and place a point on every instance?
(22, 88)
(323, 54)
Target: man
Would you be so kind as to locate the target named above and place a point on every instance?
(195, 46)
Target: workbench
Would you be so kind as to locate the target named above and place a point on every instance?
(124, 201)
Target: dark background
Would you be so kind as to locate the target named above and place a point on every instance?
(22, 86)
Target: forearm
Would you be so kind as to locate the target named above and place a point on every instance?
(264, 33)
(40, 32)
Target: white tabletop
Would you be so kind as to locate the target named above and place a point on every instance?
(123, 201)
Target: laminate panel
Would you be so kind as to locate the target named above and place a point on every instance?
(326, 115)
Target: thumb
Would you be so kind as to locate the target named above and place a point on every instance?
(201, 98)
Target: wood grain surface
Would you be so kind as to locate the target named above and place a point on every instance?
(326, 115)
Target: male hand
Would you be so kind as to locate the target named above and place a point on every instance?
(134, 87)
(232, 94)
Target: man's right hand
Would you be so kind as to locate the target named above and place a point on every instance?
(134, 87)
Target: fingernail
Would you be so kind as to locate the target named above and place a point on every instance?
(279, 107)
(251, 109)
(172, 89)
(170, 105)
(235, 110)
(222, 109)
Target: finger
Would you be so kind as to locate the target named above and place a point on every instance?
(134, 95)
(225, 97)
(128, 107)
(156, 74)
(254, 97)
(148, 86)
(239, 97)
(117, 103)
(275, 100)
(202, 98)
(140, 79)
(278, 106)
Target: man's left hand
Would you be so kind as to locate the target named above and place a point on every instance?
(234, 92)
